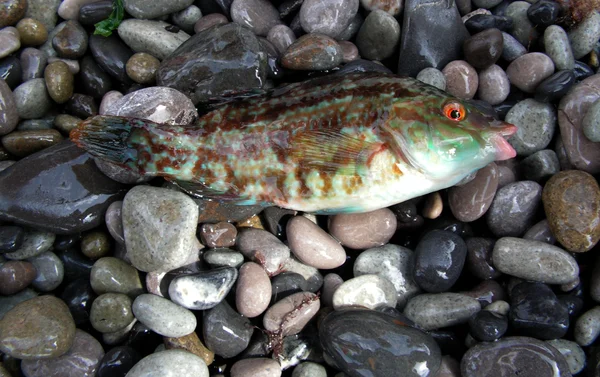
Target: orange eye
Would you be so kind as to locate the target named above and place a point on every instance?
(455, 111)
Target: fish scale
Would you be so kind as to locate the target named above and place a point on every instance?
(338, 143)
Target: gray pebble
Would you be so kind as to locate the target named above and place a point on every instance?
(309, 369)
(511, 48)
(327, 17)
(111, 312)
(114, 221)
(591, 122)
(253, 290)
(534, 260)
(119, 336)
(540, 232)
(153, 9)
(585, 35)
(108, 101)
(151, 37)
(433, 77)
(558, 47)
(32, 99)
(513, 208)
(523, 29)
(226, 332)
(170, 363)
(352, 28)
(540, 165)
(572, 352)
(494, 86)
(263, 248)
(257, 15)
(163, 316)
(349, 51)
(203, 290)
(536, 122)
(331, 283)
(50, 271)
(370, 291)
(290, 314)
(256, 367)
(281, 36)
(44, 11)
(33, 62)
(9, 41)
(378, 36)
(187, 18)
(432, 311)
(312, 276)
(9, 302)
(34, 243)
(114, 275)
(9, 117)
(222, 257)
(461, 79)
(587, 327)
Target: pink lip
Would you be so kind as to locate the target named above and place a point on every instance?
(500, 130)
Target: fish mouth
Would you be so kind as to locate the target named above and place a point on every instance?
(503, 150)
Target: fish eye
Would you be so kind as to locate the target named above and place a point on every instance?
(455, 111)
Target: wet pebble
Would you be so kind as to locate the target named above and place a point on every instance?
(289, 315)
(286, 284)
(203, 290)
(9, 116)
(370, 291)
(507, 219)
(309, 369)
(461, 79)
(163, 316)
(34, 243)
(391, 7)
(187, 18)
(378, 36)
(540, 232)
(484, 48)
(170, 363)
(9, 302)
(523, 29)
(312, 52)
(471, 201)
(479, 258)
(329, 18)
(114, 275)
(12, 12)
(71, 42)
(529, 70)
(78, 295)
(31, 99)
(32, 32)
(433, 77)
(312, 245)
(222, 257)
(253, 292)
(111, 312)
(208, 21)
(142, 67)
(151, 37)
(117, 362)
(190, 343)
(534, 260)
(363, 230)
(281, 36)
(511, 48)
(540, 166)
(572, 352)
(226, 332)
(591, 122)
(24, 143)
(222, 234)
(555, 87)
(50, 271)
(487, 326)
(544, 13)
(144, 10)
(558, 47)
(432, 311)
(111, 54)
(257, 15)
(95, 245)
(536, 122)
(15, 276)
(494, 86)
(114, 222)
(59, 81)
(33, 62)
(263, 248)
(585, 35)
(256, 367)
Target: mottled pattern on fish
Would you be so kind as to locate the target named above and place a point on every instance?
(330, 144)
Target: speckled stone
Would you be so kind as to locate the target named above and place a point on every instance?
(221, 257)
(253, 292)
(309, 369)
(572, 203)
(522, 29)
(591, 122)
(327, 17)
(163, 316)
(111, 312)
(513, 208)
(111, 274)
(558, 47)
(585, 35)
(528, 71)
(540, 166)
(151, 37)
(170, 363)
(15, 276)
(312, 52)
(587, 327)
(34, 243)
(46, 329)
(370, 291)
(436, 310)
(50, 271)
(534, 260)
(203, 290)
(536, 122)
(288, 316)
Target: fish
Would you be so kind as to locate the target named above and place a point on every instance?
(348, 143)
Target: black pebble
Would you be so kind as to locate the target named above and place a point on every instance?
(543, 13)
(11, 238)
(555, 87)
(117, 362)
(487, 326)
(481, 22)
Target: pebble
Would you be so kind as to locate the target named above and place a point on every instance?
(494, 86)
(9, 302)
(71, 63)
(312, 245)
(114, 222)
(222, 234)
(487, 326)
(94, 80)
(111, 312)
(511, 48)
(203, 290)
(540, 232)
(46, 329)
(155, 220)
(144, 10)
(31, 32)
(24, 143)
(253, 292)
(479, 258)
(534, 260)
(81, 360)
(209, 21)
(482, 19)
(11, 12)
(433, 77)
(34, 243)
(328, 18)
(15, 276)
(33, 62)
(281, 36)
(309, 369)
(471, 201)
(187, 18)
(9, 116)
(59, 81)
(417, 355)
(50, 271)
(226, 332)
(78, 295)
(523, 29)
(572, 352)
(190, 343)
(370, 291)
(71, 42)
(222, 257)
(257, 15)
(151, 37)
(585, 35)
(536, 123)
(528, 71)
(117, 362)
(461, 79)
(286, 284)
(540, 165)
(31, 99)
(111, 54)
(170, 363)
(363, 230)
(544, 13)
(114, 275)
(432, 311)
(256, 367)
(488, 4)
(289, 315)
(484, 48)
(312, 52)
(572, 203)
(591, 122)
(263, 248)
(95, 245)
(378, 36)
(162, 316)
(555, 87)
(70, 9)
(513, 208)
(558, 47)
(528, 355)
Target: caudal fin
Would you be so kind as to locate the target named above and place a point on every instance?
(106, 137)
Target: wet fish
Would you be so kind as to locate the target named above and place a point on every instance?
(335, 144)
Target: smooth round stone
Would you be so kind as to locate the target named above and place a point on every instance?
(488, 4)
(312, 245)
(486, 292)
(113, 275)
(528, 356)
(534, 260)
(587, 327)
(111, 54)
(540, 165)
(540, 232)
(111, 312)
(281, 36)
(433, 206)
(256, 367)
(114, 222)
(484, 48)
(59, 81)
(591, 122)
(511, 48)
(555, 87)
(222, 234)
(528, 71)
(523, 29)
(513, 208)
(71, 41)
(392, 262)
(370, 291)
(226, 332)
(155, 220)
(471, 200)
(119, 336)
(262, 247)
(487, 326)
(309, 369)
(151, 37)
(73, 65)
(81, 360)
(50, 271)
(433, 77)
(536, 122)
(363, 230)
(15, 276)
(461, 79)
(312, 52)
(386, 345)
(378, 36)
(11, 12)
(9, 41)
(31, 99)
(558, 47)
(312, 276)
(9, 302)
(544, 13)
(585, 35)
(163, 316)
(34, 243)
(203, 290)
(94, 12)
(286, 284)
(33, 62)
(572, 204)
(46, 329)
(117, 362)
(222, 257)
(144, 10)
(24, 143)
(94, 80)
(439, 260)
(253, 292)
(572, 352)
(432, 311)
(187, 18)
(32, 32)
(142, 67)
(494, 85)
(170, 363)
(331, 283)
(81, 105)
(257, 15)
(288, 316)
(479, 258)
(329, 18)
(209, 21)
(9, 116)
(95, 245)
(65, 123)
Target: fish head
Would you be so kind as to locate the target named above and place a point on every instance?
(444, 137)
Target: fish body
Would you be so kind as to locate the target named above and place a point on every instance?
(341, 143)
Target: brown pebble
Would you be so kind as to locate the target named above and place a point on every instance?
(462, 80)
(222, 234)
(312, 52)
(95, 245)
(433, 206)
(363, 230)
(141, 68)
(471, 200)
(190, 343)
(312, 245)
(32, 32)
(11, 11)
(15, 276)
(59, 81)
(253, 290)
(251, 222)
(24, 143)
(349, 51)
